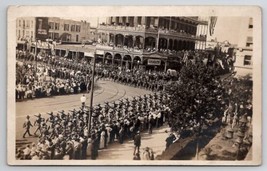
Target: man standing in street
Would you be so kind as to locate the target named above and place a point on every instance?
(137, 142)
(27, 125)
(83, 99)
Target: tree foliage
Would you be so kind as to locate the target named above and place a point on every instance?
(195, 98)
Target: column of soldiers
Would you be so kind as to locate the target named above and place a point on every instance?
(63, 68)
(65, 135)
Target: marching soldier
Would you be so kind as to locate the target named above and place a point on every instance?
(37, 123)
(27, 125)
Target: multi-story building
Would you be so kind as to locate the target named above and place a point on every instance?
(25, 31)
(93, 34)
(42, 28)
(244, 52)
(26, 28)
(68, 30)
(150, 41)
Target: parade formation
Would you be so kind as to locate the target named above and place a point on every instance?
(198, 93)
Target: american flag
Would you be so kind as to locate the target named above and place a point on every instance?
(213, 21)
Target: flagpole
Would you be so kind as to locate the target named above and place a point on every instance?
(158, 38)
(170, 23)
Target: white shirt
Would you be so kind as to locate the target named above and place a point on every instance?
(83, 99)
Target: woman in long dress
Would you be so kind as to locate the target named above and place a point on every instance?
(89, 147)
(102, 139)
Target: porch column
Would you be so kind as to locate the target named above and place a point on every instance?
(143, 21)
(165, 66)
(108, 38)
(135, 21)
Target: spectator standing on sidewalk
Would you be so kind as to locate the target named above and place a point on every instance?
(137, 142)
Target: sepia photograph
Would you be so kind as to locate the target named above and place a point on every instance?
(125, 86)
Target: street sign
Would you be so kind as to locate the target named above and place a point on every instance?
(89, 54)
(99, 52)
(153, 62)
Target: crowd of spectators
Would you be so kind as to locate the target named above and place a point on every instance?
(48, 81)
(197, 98)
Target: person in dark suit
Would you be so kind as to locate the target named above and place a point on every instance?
(137, 142)
(169, 140)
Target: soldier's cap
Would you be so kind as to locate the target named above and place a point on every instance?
(28, 116)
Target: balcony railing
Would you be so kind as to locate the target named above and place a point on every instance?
(119, 48)
(175, 33)
(180, 33)
(122, 28)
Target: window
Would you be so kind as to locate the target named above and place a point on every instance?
(56, 35)
(77, 38)
(139, 20)
(249, 42)
(31, 24)
(27, 23)
(56, 26)
(247, 60)
(19, 34)
(23, 23)
(51, 25)
(249, 39)
(72, 28)
(66, 27)
(31, 33)
(50, 35)
(19, 23)
(68, 38)
(250, 24)
(78, 28)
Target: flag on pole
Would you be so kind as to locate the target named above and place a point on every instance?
(213, 21)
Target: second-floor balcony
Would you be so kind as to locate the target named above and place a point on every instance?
(119, 48)
(138, 28)
(151, 30)
(176, 33)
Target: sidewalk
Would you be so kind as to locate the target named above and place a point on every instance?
(124, 151)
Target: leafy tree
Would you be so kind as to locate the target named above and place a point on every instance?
(195, 99)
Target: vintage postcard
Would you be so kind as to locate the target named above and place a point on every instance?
(134, 85)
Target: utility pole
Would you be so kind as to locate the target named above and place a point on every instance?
(35, 56)
(92, 94)
(92, 88)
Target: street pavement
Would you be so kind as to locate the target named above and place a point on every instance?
(106, 91)
(155, 141)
